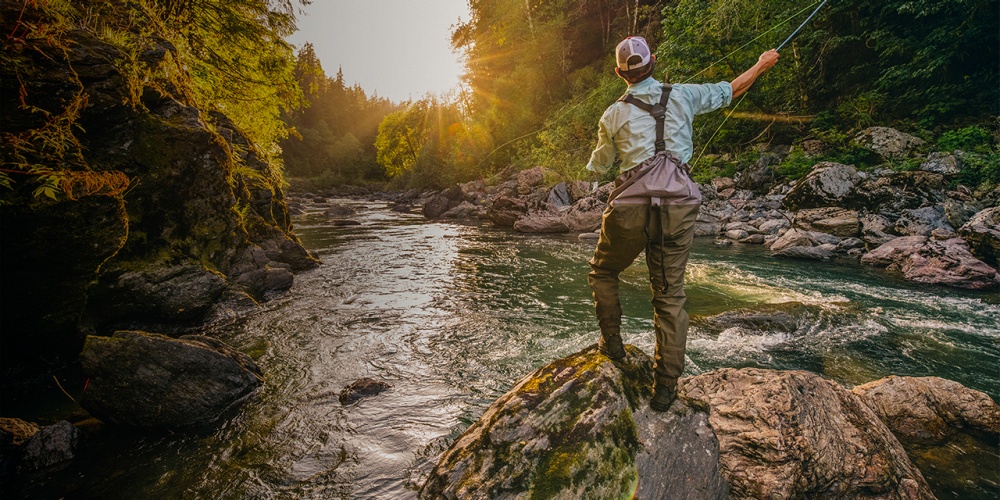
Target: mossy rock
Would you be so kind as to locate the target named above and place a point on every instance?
(564, 431)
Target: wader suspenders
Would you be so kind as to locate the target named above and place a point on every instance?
(659, 112)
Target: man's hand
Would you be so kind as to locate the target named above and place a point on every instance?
(766, 61)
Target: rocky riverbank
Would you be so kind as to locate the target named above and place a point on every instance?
(202, 232)
(918, 223)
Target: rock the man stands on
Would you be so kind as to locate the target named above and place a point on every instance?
(655, 202)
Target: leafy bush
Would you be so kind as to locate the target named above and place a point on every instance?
(980, 170)
(966, 139)
(796, 165)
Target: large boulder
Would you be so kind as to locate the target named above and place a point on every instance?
(839, 222)
(942, 163)
(982, 233)
(506, 210)
(895, 251)
(528, 180)
(443, 201)
(877, 229)
(944, 426)
(827, 185)
(888, 142)
(925, 260)
(794, 434)
(930, 410)
(559, 196)
(585, 215)
(922, 221)
(567, 429)
(581, 428)
(541, 222)
(180, 293)
(793, 238)
(147, 380)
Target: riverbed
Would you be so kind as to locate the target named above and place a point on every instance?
(453, 314)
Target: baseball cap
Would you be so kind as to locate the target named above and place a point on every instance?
(632, 53)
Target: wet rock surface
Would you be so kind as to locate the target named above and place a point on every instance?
(51, 445)
(581, 427)
(147, 380)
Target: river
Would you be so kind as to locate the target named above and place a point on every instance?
(452, 314)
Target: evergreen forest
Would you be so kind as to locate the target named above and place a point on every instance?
(538, 76)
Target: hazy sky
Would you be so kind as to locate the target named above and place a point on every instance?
(400, 48)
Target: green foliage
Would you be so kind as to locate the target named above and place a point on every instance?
(711, 167)
(421, 145)
(967, 139)
(980, 170)
(523, 63)
(220, 56)
(335, 129)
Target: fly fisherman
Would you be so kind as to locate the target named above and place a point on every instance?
(655, 202)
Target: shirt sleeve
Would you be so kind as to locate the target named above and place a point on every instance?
(604, 154)
(709, 97)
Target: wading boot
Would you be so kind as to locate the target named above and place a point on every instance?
(611, 346)
(663, 396)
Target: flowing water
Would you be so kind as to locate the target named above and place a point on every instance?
(453, 314)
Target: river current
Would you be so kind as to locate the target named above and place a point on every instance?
(453, 314)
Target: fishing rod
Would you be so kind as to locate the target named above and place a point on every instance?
(820, 6)
(801, 25)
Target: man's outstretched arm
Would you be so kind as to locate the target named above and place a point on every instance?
(743, 82)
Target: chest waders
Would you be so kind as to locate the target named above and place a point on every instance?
(659, 112)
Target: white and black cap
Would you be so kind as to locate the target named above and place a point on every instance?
(632, 53)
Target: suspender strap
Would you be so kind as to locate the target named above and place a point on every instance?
(658, 111)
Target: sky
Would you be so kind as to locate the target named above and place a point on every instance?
(400, 49)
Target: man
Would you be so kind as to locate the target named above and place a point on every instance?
(655, 203)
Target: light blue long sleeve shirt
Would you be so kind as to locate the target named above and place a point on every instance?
(629, 132)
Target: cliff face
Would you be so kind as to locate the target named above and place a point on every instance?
(202, 224)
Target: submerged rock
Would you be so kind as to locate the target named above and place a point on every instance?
(786, 317)
(51, 445)
(362, 388)
(147, 380)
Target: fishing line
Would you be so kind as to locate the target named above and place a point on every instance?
(776, 26)
(748, 90)
(566, 108)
